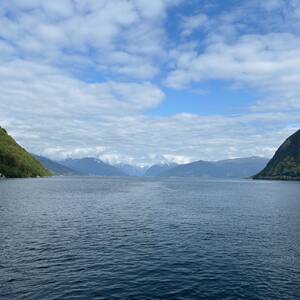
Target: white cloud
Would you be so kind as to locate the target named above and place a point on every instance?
(192, 23)
(40, 89)
(247, 51)
(75, 80)
(79, 152)
(96, 31)
(253, 59)
(145, 140)
(178, 159)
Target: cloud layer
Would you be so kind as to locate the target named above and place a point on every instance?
(82, 78)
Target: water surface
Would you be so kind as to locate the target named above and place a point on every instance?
(125, 238)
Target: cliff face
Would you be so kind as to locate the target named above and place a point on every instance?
(16, 162)
(285, 165)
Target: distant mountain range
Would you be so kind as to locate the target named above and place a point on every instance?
(231, 168)
(16, 162)
(54, 167)
(92, 167)
(156, 170)
(285, 165)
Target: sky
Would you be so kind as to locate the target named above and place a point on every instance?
(145, 82)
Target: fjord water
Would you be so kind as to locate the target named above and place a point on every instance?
(126, 238)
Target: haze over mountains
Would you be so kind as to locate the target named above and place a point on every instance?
(131, 170)
(156, 170)
(284, 165)
(17, 162)
(92, 167)
(232, 168)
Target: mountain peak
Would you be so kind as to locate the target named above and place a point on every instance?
(92, 166)
(156, 170)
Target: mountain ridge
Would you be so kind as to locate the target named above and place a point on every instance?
(16, 162)
(157, 169)
(56, 168)
(91, 166)
(285, 164)
(229, 168)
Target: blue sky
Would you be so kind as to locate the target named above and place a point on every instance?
(143, 82)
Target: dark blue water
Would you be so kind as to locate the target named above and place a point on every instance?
(104, 238)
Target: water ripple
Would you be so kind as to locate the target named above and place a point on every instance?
(112, 238)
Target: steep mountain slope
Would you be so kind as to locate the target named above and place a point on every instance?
(54, 167)
(286, 162)
(231, 168)
(156, 170)
(242, 167)
(92, 167)
(16, 162)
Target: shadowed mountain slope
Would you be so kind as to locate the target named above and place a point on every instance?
(285, 164)
(231, 168)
